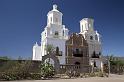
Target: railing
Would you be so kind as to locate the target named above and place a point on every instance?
(67, 68)
(95, 56)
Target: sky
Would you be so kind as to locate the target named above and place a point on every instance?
(22, 21)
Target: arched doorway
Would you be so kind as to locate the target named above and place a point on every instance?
(77, 63)
(50, 61)
(54, 60)
(77, 66)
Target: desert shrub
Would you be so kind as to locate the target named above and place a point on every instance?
(15, 70)
(36, 76)
(72, 74)
(8, 76)
(92, 74)
(100, 74)
(76, 73)
(3, 76)
(84, 75)
(69, 74)
(19, 76)
(47, 70)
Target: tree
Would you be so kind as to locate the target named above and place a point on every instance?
(20, 58)
(111, 58)
(4, 58)
(49, 48)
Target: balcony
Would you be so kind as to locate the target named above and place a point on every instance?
(59, 53)
(94, 55)
(77, 54)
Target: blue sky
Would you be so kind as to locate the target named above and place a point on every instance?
(22, 21)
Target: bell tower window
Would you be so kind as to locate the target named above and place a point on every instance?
(82, 28)
(56, 19)
(63, 32)
(96, 38)
(91, 37)
(51, 19)
(56, 33)
(45, 33)
(89, 25)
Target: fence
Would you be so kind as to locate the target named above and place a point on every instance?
(76, 68)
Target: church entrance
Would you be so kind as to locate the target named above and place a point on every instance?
(77, 63)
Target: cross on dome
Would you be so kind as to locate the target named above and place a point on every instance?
(54, 7)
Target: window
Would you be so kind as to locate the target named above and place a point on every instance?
(99, 53)
(77, 51)
(56, 33)
(63, 32)
(89, 25)
(94, 64)
(58, 52)
(56, 19)
(95, 55)
(96, 38)
(48, 20)
(45, 33)
(51, 19)
(91, 37)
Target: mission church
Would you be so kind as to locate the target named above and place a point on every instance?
(83, 48)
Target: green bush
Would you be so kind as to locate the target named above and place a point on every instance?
(47, 70)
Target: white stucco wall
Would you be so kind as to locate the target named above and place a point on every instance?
(99, 63)
(37, 53)
(58, 43)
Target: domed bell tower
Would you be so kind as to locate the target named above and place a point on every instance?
(54, 16)
(86, 24)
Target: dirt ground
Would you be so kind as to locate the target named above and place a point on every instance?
(112, 78)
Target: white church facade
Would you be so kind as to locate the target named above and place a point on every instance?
(56, 33)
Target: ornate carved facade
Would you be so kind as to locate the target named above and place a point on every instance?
(77, 50)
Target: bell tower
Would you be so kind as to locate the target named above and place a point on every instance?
(55, 33)
(92, 36)
(54, 16)
(86, 24)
